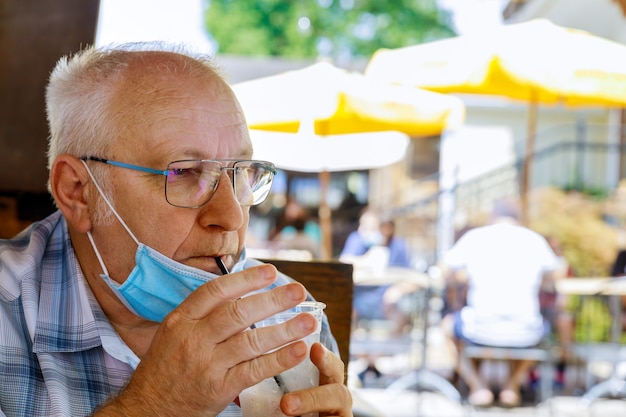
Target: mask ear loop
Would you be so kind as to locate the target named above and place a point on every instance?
(106, 200)
(97, 252)
(90, 236)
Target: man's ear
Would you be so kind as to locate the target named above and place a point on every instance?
(68, 182)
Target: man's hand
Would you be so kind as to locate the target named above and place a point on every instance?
(331, 398)
(203, 354)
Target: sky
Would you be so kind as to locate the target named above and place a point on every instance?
(474, 15)
(181, 20)
(140, 20)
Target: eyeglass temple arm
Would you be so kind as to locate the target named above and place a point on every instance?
(124, 165)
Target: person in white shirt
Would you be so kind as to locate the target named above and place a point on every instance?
(504, 265)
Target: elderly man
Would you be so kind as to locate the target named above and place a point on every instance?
(114, 305)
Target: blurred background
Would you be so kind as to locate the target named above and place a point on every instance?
(445, 180)
(577, 175)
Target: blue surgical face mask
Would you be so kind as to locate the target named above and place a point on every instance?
(157, 284)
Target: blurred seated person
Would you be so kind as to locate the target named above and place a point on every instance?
(375, 245)
(399, 298)
(294, 235)
(504, 266)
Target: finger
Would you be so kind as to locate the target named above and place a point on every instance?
(232, 317)
(331, 367)
(332, 397)
(329, 400)
(253, 343)
(226, 288)
(252, 372)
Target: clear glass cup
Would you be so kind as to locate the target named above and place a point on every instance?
(263, 399)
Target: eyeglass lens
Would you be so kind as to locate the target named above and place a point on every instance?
(192, 183)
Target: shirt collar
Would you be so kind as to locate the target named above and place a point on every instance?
(69, 317)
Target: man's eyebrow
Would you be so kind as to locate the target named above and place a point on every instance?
(247, 152)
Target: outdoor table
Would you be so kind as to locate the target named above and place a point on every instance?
(367, 277)
(614, 288)
(372, 275)
(420, 378)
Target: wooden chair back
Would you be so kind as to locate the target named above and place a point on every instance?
(329, 282)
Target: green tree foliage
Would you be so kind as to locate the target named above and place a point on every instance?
(576, 222)
(312, 28)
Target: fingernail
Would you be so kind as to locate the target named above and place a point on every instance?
(292, 403)
(267, 272)
(298, 349)
(295, 292)
(306, 323)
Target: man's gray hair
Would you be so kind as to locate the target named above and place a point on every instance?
(80, 98)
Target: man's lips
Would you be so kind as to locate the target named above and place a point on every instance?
(208, 263)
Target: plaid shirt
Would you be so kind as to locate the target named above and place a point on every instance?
(59, 355)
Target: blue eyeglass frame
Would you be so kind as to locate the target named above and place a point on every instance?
(165, 172)
(269, 165)
(125, 165)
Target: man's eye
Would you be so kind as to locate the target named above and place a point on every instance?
(179, 174)
(185, 171)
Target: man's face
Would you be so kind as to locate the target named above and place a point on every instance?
(163, 120)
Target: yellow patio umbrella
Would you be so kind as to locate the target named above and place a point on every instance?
(536, 61)
(338, 101)
(336, 112)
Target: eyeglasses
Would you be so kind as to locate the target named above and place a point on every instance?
(192, 183)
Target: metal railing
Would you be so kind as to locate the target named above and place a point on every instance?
(584, 161)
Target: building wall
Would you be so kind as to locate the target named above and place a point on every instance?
(409, 195)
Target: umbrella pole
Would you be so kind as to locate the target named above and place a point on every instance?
(325, 217)
(622, 144)
(531, 133)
